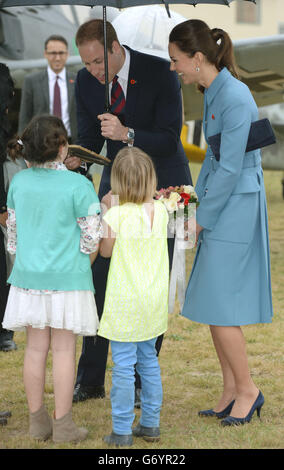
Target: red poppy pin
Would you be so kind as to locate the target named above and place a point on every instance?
(132, 81)
(71, 80)
(213, 117)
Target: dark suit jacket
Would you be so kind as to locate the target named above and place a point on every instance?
(3, 270)
(35, 99)
(153, 110)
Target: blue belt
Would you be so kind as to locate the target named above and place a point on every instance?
(250, 161)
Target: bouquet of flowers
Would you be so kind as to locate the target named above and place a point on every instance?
(178, 198)
(181, 203)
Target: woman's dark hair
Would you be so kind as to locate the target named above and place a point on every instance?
(193, 36)
(40, 140)
(6, 97)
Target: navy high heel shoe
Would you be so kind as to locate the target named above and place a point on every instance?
(218, 414)
(231, 421)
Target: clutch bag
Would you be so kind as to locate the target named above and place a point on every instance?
(261, 135)
(87, 155)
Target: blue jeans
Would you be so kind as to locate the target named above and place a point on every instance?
(125, 356)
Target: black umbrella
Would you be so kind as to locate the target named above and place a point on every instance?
(116, 4)
(110, 3)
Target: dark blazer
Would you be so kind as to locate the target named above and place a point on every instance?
(3, 269)
(3, 195)
(153, 110)
(35, 99)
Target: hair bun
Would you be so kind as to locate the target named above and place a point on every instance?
(217, 34)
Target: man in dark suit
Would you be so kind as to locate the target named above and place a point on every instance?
(51, 91)
(147, 113)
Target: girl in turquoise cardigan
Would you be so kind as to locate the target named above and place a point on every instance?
(53, 228)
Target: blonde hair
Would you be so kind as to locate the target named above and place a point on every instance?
(133, 176)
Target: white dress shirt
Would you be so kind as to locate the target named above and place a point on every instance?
(123, 73)
(62, 82)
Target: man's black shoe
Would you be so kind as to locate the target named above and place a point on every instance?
(84, 392)
(5, 414)
(3, 417)
(6, 340)
(3, 421)
(7, 345)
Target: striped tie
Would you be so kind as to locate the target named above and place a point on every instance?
(117, 98)
(57, 99)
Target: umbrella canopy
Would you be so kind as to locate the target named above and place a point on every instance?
(109, 3)
(112, 3)
(150, 29)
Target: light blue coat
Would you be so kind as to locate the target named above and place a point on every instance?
(230, 281)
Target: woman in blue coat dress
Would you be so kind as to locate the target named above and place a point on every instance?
(230, 281)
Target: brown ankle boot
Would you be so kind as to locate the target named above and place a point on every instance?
(40, 424)
(65, 430)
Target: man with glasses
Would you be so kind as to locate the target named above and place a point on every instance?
(51, 90)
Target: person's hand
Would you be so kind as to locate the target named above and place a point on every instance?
(3, 218)
(198, 230)
(72, 163)
(189, 227)
(107, 200)
(112, 128)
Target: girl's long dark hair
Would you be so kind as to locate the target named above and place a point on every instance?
(40, 141)
(6, 97)
(193, 36)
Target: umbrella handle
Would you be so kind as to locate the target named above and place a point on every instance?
(107, 105)
(167, 8)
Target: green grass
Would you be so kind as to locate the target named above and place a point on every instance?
(190, 373)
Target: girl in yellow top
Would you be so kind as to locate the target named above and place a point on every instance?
(136, 303)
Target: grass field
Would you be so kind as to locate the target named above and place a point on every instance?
(190, 374)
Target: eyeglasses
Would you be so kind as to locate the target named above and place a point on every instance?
(54, 54)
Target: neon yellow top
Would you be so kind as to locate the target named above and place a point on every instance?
(136, 302)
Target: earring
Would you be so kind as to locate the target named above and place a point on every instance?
(197, 69)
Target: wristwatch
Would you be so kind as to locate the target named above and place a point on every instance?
(130, 137)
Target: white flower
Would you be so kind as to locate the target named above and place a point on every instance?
(175, 196)
(171, 202)
(171, 206)
(189, 190)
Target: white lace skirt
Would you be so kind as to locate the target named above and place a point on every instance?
(70, 310)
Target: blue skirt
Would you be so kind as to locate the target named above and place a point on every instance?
(230, 282)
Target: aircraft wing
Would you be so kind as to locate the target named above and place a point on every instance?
(260, 66)
(23, 31)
